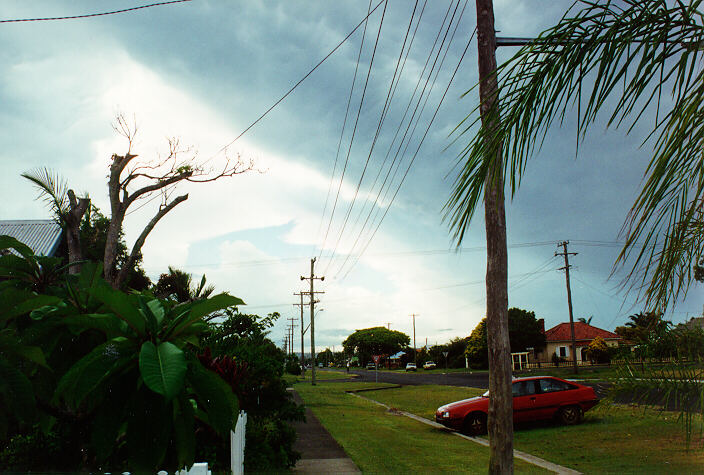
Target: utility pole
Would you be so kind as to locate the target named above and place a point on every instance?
(293, 327)
(566, 255)
(388, 325)
(303, 332)
(312, 293)
(500, 420)
(415, 352)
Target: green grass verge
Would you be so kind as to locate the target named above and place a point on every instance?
(319, 376)
(614, 438)
(384, 442)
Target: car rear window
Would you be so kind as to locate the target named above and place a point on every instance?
(523, 388)
(550, 385)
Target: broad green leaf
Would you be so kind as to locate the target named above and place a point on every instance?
(8, 242)
(94, 368)
(31, 353)
(106, 323)
(34, 303)
(204, 308)
(162, 367)
(157, 309)
(122, 305)
(148, 315)
(218, 302)
(215, 397)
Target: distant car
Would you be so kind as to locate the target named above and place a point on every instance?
(429, 365)
(370, 365)
(320, 365)
(534, 398)
(411, 367)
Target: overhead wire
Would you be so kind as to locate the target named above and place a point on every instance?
(420, 143)
(415, 110)
(420, 78)
(91, 15)
(354, 129)
(395, 79)
(300, 81)
(392, 90)
(342, 133)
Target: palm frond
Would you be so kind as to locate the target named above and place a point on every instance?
(53, 190)
(611, 59)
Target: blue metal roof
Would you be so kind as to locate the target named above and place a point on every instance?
(41, 235)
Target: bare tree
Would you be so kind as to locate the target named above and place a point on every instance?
(131, 181)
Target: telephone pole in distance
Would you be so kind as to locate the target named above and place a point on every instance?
(566, 255)
(312, 293)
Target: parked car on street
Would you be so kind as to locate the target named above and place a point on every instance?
(411, 367)
(429, 365)
(534, 398)
(371, 365)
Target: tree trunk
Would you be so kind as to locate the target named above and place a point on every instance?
(500, 422)
(117, 216)
(77, 208)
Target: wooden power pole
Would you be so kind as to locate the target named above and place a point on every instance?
(312, 293)
(566, 255)
(415, 350)
(303, 332)
(500, 420)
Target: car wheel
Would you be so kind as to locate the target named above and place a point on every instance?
(474, 424)
(571, 415)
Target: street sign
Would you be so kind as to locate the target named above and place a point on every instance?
(445, 353)
(376, 358)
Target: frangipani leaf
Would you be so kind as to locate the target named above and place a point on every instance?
(163, 368)
(122, 305)
(215, 397)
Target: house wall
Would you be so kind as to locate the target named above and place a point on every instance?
(545, 356)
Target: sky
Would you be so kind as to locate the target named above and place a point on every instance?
(204, 71)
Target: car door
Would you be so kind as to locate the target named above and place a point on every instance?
(524, 400)
(553, 394)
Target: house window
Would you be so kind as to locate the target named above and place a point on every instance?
(562, 351)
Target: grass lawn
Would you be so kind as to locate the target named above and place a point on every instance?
(381, 441)
(319, 376)
(613, 438)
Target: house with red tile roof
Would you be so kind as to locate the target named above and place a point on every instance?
(558, 340)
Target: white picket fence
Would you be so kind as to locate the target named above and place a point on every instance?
(237, 440)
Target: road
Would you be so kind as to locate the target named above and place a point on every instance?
(478, 379)
(473, 380)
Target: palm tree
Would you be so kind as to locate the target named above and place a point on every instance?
(67, 209)
(178, 285)
(613, 58)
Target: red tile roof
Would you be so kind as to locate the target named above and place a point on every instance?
(582, 331)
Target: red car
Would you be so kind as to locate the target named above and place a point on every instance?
(534, 398)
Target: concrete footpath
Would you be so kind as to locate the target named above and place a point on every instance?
(320, 453)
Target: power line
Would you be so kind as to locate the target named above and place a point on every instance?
(421, 253)
(420, 144)
(354, 131)
(91, 15)
(387, 103)
(342, 133)
(300, 81)
(420, 78)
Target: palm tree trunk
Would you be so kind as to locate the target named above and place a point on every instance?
(500, 422)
